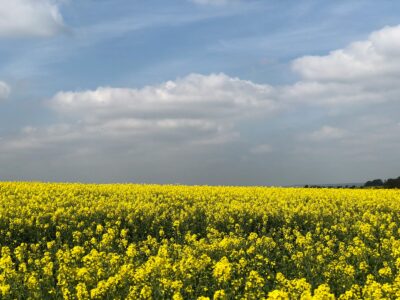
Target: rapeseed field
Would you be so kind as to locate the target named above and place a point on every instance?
(76, 241)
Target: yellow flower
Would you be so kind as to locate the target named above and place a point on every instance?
(222, 270)
(220, 295)
(81, 292)
(146, 293)
(323, 292)
(278, 295)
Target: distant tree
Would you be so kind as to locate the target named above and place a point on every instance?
(392, 183)
(375, 182)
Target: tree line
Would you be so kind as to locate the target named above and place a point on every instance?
(391, 183)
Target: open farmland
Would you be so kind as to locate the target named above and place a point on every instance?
(76, 241)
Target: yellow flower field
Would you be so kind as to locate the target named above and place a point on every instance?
(76, 241)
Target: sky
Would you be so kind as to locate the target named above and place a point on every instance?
(218, 92)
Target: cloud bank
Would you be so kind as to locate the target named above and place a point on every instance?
(178, 125)
(195, 109)
(30, 18)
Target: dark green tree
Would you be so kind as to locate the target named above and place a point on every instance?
(375, 182)
(392, 183)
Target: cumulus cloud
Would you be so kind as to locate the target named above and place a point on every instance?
(196, 109)
(197, 97)
(208, 108)
(188, 114)
(364, 72)
(379, 55)
(21, 18)
(4, 90)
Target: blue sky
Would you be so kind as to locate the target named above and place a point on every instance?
(199, 91)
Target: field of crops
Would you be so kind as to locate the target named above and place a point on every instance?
(76, 241)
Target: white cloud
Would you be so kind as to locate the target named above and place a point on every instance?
(364, 72)
(196, 109)
(156, 133)
(378, 55)
(195, 97)
(21, 18)
(4, 90)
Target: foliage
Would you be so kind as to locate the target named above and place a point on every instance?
(76, 241)
(391, 183)
(375, 182)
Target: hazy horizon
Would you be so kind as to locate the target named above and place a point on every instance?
(218, 92)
